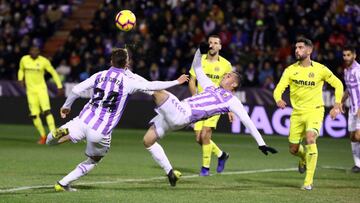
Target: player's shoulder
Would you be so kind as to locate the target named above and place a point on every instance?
(224, 60)
(318, 65)
(292, 67)
(25, 57)
(42, 58)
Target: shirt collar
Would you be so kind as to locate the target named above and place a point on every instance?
(118, 70)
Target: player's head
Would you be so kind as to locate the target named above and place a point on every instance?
(303, 48)
(119, 58)
(34, 52)
(231, 81)
(214, 44)
(349, 55)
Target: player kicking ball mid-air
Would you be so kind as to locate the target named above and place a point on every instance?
(101, 114)
(174, 114)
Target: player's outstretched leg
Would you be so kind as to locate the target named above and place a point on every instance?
(158, 154)
(58, 136)
(82, 169)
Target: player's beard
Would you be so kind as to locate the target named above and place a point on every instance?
(349, 62)
(212, 53)
(301, 57)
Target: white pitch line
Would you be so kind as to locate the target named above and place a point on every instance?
(158, 178)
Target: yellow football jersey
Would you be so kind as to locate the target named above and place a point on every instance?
(33, 71)
(306, 84)
(215, 70)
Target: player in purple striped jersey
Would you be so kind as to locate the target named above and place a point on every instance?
(352, 81)
(174, 115)
(101, 114)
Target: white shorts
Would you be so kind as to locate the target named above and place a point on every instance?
(172, 115)
(97, 144)
(353, 122)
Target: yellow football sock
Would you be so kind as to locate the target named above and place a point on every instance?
(215, 149)
(311, 161)
(301, 152)
(50, 122)
(206, 148)
(39, 126)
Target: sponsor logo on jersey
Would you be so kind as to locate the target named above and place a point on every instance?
(213, 76)
(304, 82)
(311, 75)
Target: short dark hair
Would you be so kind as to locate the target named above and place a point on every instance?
(306, 41)
(215, 36)
(350, 48)
(119, 57)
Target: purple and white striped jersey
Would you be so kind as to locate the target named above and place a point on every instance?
(352, 81)
(111, 91)
(210, 102)
(216, 100)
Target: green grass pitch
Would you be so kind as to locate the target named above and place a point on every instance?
(128, 174)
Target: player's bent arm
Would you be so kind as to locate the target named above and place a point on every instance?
(78, 89)
(203, 80)
(21, 70)
(49, 68)
(153, 85)
(192, 85)
(281, 86)
(345, 96)
(335, 83)
(237, 108)
(70, 100)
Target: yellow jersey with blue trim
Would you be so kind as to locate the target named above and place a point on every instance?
(306, 85)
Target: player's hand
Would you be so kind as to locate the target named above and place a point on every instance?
(204, 48)
(281, 104)
(231, 116)
(265, 149)
(64, 112)
(336, 110)
(183, 78)
(22, 83)
(60, 92)
(358, 113)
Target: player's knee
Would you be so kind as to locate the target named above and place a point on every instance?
(357, 136)
(150, 137)
(293, 149)
(94, 159)
(206, 131)
(47, 112)
(33, 116)
(352, 137)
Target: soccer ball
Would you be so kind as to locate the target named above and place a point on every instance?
(125, 20)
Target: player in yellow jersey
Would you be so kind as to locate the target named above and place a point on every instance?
(306, 79)
(215, 67)
(31, 76)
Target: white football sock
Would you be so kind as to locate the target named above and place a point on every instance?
(158, 154)
(355, 147)
(82, 169)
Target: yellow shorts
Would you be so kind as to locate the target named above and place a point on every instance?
(302, 122)
(210, 122)
(38, 101)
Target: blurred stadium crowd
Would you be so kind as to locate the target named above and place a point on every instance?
(257, 36)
